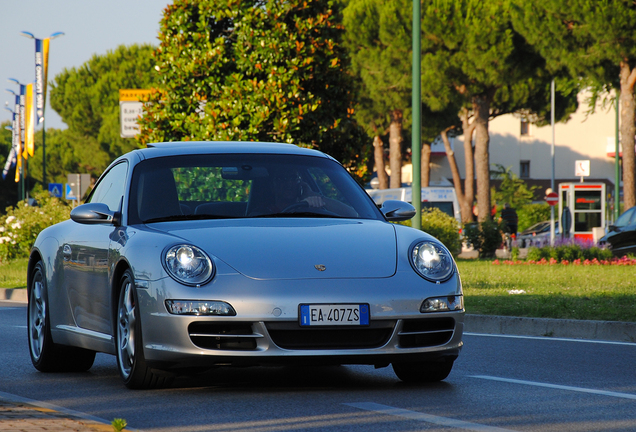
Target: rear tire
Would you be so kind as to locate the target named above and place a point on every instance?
(423, 372)
(46, 355)
(130, 354)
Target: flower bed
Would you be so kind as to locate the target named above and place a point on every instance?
(625, 261)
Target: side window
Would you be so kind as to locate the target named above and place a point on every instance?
(111, 187)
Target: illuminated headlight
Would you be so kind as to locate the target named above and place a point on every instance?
(432, 261)
(443, 304)
(199, 307)
(188, 265)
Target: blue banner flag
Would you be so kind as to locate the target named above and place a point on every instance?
(40, 77)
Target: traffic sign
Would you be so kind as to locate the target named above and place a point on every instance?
(70, 193)
(552, 198)
(55, 189)
(582, 168)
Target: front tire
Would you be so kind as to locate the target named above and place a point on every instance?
(423, 372)
(46, 355)
(130, 355)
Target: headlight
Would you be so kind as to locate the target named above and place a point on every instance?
(443, 304)
(199, 307)
(432, 261)
(188, 264)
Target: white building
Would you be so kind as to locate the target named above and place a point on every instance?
(526, 148)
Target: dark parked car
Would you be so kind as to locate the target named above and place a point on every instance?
(621, 238)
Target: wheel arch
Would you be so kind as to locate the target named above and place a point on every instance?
(120, 268)
(34, 258)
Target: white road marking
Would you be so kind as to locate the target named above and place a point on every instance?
(548, 338)
(428, 418)
(558, 387)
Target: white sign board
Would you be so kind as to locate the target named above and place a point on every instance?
(129, 112)
(582, 168)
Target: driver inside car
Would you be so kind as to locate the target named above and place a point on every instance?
(291, 194)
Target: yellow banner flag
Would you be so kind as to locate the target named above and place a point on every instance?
(18, 167)
(29, 142)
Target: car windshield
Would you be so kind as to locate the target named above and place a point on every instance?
(245, 186)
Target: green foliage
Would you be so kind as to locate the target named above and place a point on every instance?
(443, 227)
(484, 237)
(22, 224)
(251, 70)
(531, 214)
(87, 99)
(512, 189)
(378, 36)
(208, 184)
(119, 424)
(67, 151)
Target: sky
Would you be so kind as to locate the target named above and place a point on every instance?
(90, 27)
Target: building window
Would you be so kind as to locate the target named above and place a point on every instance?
(524, 169)
(525, 127)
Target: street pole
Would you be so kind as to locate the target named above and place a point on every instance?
(617, 166)
(552, 230)
(416, 132)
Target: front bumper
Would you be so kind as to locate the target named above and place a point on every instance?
(266, 328)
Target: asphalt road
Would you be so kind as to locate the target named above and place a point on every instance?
(499, 383)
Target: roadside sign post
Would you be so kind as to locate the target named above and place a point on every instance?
(552, 198)
(55, 190)
(131, 107)
(582, 169)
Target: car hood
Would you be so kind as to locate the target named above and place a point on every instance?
(295, 248)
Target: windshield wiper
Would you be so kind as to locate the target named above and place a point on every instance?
(187, 218)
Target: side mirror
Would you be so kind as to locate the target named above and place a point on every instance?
(397, 211)
(94, 213)
(611, 228)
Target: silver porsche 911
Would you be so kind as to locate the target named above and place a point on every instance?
(194, 255)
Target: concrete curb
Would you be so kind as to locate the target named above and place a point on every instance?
(18, 294)
(558, 328)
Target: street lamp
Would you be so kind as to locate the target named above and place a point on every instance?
(41, 66)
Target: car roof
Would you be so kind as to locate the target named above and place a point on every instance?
(223, 147)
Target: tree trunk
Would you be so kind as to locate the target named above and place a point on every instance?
(464, 206)
(395, 148)
(628, 130)
(425, 177)
(469, 180)
(481, 108)
(378, 155)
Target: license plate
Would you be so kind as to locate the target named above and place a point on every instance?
(334, 314)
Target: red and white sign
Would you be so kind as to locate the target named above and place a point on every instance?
(582, 168)
(552, 198)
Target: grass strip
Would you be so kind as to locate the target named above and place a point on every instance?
(594, 292)
(13, 274)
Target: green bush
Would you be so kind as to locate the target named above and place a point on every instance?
(484, 237)
(20, 226)
(568, 252)
(443, 227)
(531, 214)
